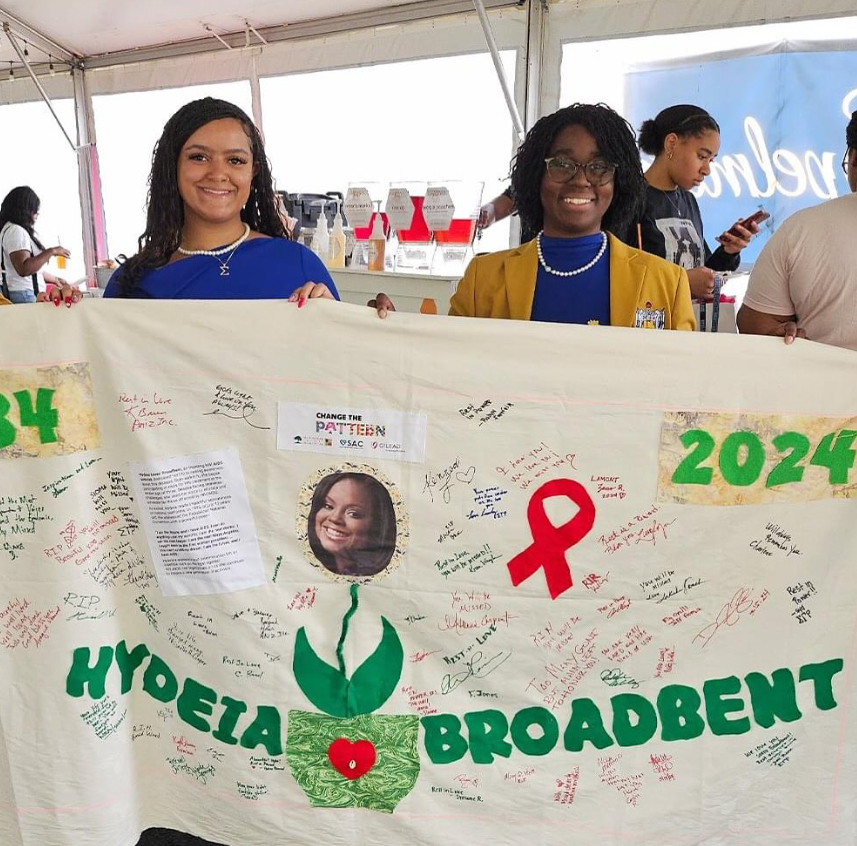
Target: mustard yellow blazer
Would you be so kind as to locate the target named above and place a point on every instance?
(4, 301)
(645, 291)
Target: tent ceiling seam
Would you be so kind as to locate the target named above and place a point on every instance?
(297, 31)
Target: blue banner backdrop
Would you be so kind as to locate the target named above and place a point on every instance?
(782, 119)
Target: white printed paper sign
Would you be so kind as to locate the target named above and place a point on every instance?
(610, 602)
(399, 208)
(197, 520)
(373, 433)
(357, 207)
(438, 209)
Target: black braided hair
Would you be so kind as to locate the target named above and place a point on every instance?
(20, 206)
(616, 142)
(684, 120)
(851, 132)
(165, 208)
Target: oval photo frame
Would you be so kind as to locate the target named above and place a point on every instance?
(331, 545)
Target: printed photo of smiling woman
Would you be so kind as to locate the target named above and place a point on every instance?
(352, 525)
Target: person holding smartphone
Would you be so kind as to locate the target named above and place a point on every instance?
(684, 140)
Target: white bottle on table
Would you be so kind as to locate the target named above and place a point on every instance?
(337, 242)
(377, 244)
(323, 237)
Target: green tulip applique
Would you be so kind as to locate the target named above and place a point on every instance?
(348, 756)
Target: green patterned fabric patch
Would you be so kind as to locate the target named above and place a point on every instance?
(388, 779)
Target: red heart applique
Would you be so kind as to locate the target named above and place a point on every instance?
(351, 759)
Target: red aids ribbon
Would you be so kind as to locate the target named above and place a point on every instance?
(550, 542)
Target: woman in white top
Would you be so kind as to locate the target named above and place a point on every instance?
(21, 253)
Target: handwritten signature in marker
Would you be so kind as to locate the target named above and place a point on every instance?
(476, 667)
(421, 656)
(247, 411)
(615, 677)
(444, 481)
(729, 615)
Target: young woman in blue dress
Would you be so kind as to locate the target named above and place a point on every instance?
(212, 226)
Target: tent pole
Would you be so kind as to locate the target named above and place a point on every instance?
(89, 178)
(256, 95)
(537, 18)
(498, 66)
(14, 42)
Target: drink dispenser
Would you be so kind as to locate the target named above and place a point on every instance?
(404, 207)
(451, 210)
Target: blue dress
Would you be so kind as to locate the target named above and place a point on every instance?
(260, 269)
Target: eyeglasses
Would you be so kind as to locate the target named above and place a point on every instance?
(845, 159)
(597, 172)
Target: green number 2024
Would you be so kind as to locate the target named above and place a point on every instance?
(43, 417)
(834, 451)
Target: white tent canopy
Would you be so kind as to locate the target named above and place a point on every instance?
(115, 36)
(98, 47)
(88, 28)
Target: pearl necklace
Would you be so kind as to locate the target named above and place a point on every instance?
(587, 266)
(231, 248)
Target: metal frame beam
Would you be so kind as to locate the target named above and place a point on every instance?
(256, 95)
(36, 38)
(42, 93)
(508, 94)
(537, 24)
(305, 29)
(93, 224)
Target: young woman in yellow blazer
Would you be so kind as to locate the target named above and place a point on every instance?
(577, 180)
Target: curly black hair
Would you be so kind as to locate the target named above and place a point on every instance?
(20, 206)
(616, 142)
(684, 120)
(165, 208)
(851, 132)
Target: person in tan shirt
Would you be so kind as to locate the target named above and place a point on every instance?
(804, 284)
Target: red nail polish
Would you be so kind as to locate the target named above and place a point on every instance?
(301, 302)
(56, 303)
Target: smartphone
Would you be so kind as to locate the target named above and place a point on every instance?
(757, 218)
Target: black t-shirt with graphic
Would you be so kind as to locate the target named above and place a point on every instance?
(671, 227)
